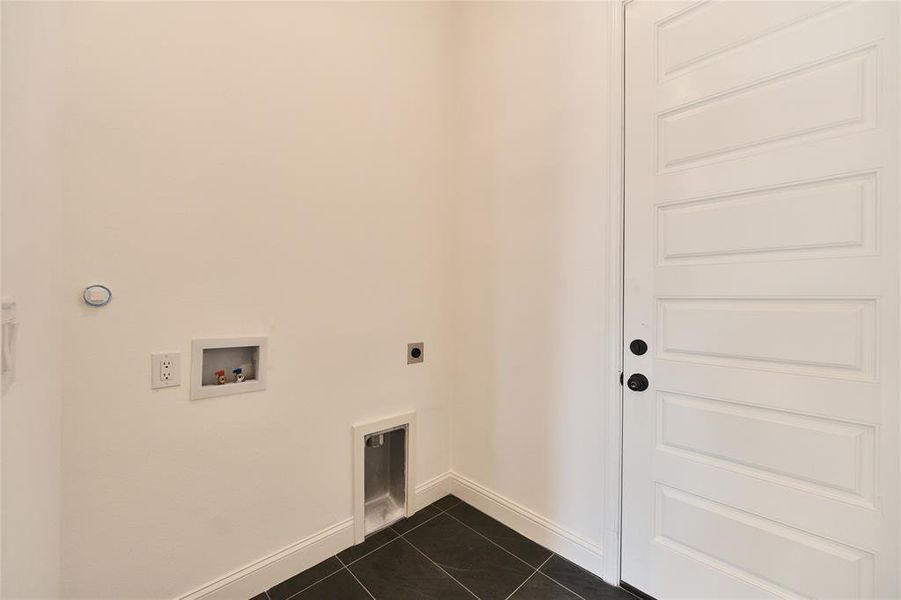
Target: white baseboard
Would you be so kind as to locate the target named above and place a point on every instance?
(268, 571)
(271, 570)
(433, 489)
(262, 574)
(571, 546)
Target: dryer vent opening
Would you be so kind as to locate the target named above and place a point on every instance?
(384, 479)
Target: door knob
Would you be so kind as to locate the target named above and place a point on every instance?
(638, 347)
(637, 382)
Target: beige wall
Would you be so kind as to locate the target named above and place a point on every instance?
(344, 178)
(246, 168)
(529, 389)
(31, 190)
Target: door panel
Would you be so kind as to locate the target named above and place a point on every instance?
(822, 456)
(761, 229)
(828, 217)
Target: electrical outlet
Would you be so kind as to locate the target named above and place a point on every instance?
(415, 353)
(165, 369)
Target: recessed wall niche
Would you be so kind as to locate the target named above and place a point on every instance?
(225, 366)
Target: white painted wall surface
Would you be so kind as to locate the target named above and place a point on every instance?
(31, 190)
(530, 384)
(344, 178)
(275, 169)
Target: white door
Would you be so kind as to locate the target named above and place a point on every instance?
(762, 270)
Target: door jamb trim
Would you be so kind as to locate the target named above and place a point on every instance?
(615, 292)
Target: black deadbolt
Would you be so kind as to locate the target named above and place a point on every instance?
(638, 347)
(637, 382)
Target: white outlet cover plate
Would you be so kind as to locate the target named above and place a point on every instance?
(165, 370)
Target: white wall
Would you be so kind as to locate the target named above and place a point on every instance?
(246, 168)
(31, 191)
(345, 178)
(529, 388)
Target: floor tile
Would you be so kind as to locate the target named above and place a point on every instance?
(340, 586)
(423, 515)
(372, 542)
(289, 587)
(489, 571)
(446, 502)
(539, 587)
(580, 581)
(399, 572)
(624, 594)
(500, 534)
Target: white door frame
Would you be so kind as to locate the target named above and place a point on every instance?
(613, 459)
(1, 419)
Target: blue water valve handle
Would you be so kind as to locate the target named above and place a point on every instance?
(97, 295)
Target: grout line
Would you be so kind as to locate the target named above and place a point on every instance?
(420, 525)
(441, 568)
(399, 536)
(360, 582)
(396, 537)
(521, 584)
(560, 584)
(531, 576)
(457, 503)
(498, 545)
(315, 582)
(445, 511)
(521, 560)
(563, 586)
(345, 566)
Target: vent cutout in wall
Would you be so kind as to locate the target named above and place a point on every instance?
(383, 483)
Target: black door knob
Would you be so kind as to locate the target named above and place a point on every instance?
(637, 382)
(638, 347)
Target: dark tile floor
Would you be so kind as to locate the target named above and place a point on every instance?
(447, 550)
